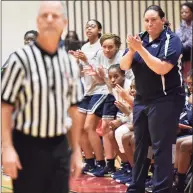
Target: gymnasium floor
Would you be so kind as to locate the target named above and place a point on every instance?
(84, 184)
(6, 185)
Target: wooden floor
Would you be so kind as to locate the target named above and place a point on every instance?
(6, 185)
(88, 184)
(84, 184)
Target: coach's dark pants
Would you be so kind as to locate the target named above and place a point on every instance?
(45, 164)
(156, 121)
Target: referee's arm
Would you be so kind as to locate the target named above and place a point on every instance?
(11, 81)
(6, 118)
(6, 115)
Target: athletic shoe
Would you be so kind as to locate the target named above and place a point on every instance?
(87, 168)
(96, 169)
(104, 171)
(123, 169)
(127, 178)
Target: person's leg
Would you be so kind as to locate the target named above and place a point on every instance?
(84, 141)
(178, 144)
(163, 119)
(109, 114)
(86, 145)
(123, 174)
(58, 179)
(185, 155)
(142, 140)
(132, 142)
(94, 113)
(109, 154)
(122, 156)
(184, 162)
(108, 146)
(36, 163)
(125, 168)
(90, 126)
(109, 111)
(92, 122)
(126, 141)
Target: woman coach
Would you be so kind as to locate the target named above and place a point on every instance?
(154, 57)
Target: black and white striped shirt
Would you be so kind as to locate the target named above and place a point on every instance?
(41, 87)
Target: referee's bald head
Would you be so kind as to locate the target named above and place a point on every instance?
(51, 19)
(60, 4)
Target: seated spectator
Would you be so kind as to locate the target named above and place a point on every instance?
(71, 41)
(189, 84)
(90, 107)
(128, 137)
(98, 69)
(123, 119)
(186, 120)
(184, 142)
(185, 35)
(182, 160)
(30, 36)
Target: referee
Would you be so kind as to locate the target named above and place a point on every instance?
(40, 86)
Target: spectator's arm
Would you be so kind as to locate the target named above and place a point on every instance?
(113, 125)
(187, 45)
(131, 128)
(123, 108)
(190, 99)
(125, 95)
(182, 126)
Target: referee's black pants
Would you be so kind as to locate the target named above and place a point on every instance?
(155, 122)
(45, 164)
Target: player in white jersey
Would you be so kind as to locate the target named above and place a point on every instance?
(109, 55)
(94, 97)
(121, 127)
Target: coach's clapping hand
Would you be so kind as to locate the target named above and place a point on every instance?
(11, 162)
(134, 42)
(128, 44)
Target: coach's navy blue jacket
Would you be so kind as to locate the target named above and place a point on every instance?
(150, 85)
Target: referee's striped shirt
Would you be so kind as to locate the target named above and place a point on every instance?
(41, 87)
